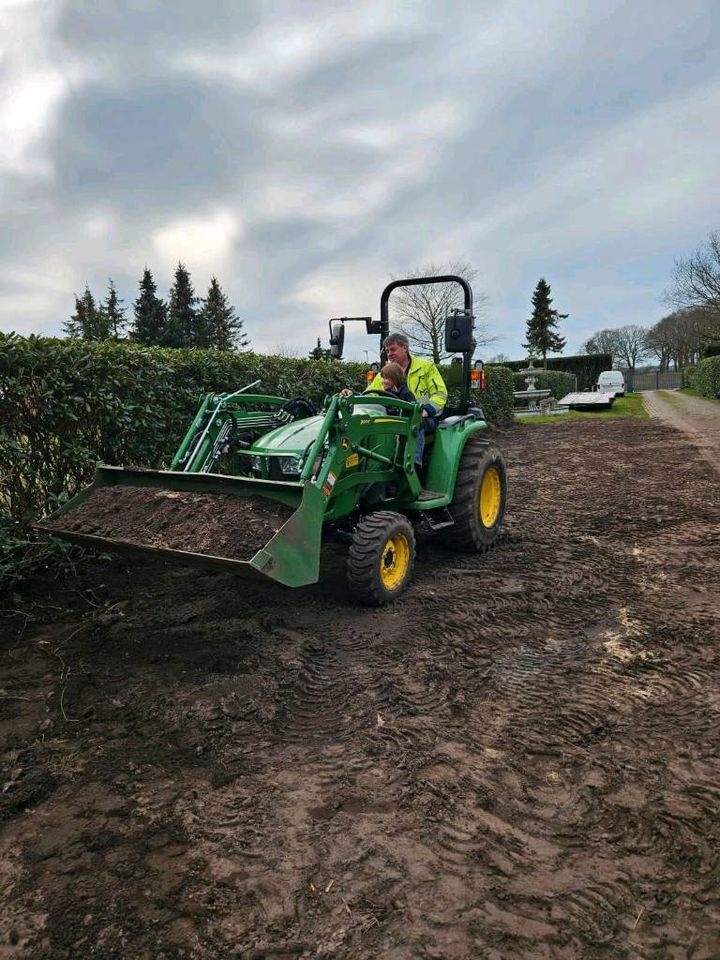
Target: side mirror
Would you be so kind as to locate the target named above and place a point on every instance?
(459, 332)
(337, 340)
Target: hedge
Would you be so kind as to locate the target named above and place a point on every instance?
(712, 350)
(69, 403)
(586, 367)
(496, 399)
(556, 381)
(707, 377)
(688, 376)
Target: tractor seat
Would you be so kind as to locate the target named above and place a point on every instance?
(453, 421)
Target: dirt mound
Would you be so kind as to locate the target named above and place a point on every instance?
(517, 760)
(218, 524)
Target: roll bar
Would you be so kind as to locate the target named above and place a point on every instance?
(467, 350)
(416, 282)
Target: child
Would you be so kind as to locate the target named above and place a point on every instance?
(393, 379)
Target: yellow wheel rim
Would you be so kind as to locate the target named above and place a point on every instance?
(490, 497)
(394, 562)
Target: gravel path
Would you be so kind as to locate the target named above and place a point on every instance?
(695, 416)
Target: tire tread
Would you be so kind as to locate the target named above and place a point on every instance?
(370, 537)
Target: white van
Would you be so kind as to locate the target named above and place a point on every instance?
(611, 381)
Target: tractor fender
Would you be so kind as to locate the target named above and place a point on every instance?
(446, 454)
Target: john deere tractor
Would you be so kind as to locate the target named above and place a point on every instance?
(346, 472)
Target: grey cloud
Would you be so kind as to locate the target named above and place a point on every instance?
(140, 33)
(151, 146)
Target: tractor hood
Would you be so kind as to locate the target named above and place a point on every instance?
(293, 439)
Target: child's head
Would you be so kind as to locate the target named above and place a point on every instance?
(392, 376)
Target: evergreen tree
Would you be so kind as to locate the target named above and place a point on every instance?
(182, 318)
(101, 328)
(87, 323)
(319, 352)
(542, 337)
(114, 312)
(218, 326)
(150, 314)
(74, 326)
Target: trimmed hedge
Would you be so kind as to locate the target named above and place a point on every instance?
(496, 399)
(69, 403)
(707, 377)
(556, 381)
(586, 367)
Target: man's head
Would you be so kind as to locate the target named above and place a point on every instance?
(397, 348)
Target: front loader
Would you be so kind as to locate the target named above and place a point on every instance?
(259, 482)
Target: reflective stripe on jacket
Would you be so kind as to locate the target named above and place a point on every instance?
(423, 380)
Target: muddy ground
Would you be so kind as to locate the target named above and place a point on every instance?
(519, 759)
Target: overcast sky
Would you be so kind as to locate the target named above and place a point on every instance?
(305, 152)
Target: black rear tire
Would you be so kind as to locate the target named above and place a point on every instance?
(381, 558)
(478, 506)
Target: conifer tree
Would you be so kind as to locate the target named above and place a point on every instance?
(218, 326)
(73, 327)
(182, 320)
(319, 352)
(87, 322)
(150, 314)
(542, 337)
(114, 312)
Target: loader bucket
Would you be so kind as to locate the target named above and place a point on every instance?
(255, 527)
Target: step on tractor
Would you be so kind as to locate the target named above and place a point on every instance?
(260, 482)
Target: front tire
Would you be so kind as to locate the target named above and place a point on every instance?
(381, 558)
(478, 506)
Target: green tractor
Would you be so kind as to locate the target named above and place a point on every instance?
(346, 472)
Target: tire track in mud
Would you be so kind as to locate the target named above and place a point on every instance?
(314, 705)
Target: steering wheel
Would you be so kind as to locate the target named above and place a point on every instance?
(384, 393)
(299, 407)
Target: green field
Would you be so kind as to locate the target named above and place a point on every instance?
(631, 405)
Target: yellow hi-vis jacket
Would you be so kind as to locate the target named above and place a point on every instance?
(423, 381)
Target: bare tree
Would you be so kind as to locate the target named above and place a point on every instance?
(678, 338)
(603, 341)
(420, 311)
(286, 351)
(696, 283)
(631, 344)
(659, 345)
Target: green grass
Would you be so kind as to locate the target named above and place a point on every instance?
(692, 392)
(672, 396)
(631, 405)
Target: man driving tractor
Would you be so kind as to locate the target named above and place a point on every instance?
(422, 377)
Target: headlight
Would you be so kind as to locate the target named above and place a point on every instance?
(290, 466)
(256, 463)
